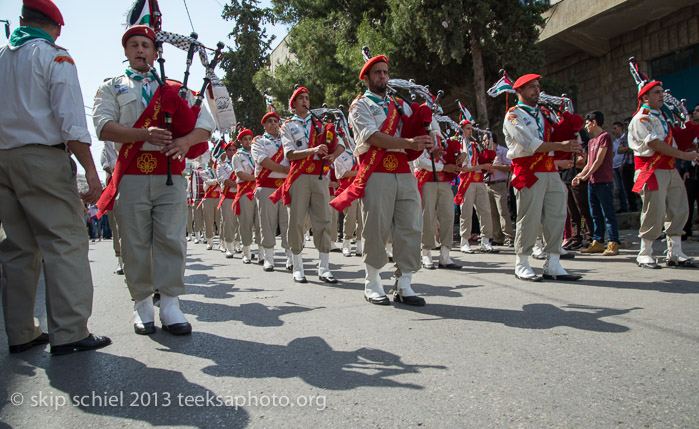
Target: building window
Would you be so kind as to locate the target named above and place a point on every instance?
(675, 62)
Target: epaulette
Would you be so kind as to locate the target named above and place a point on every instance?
(512, 108)
(645, 111)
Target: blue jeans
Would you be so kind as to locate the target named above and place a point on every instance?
(623, 203)
(601, 197)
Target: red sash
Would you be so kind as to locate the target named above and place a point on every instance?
(368, 162)
(211, 192)
(648, 165)
(305, 165)
(244, 188)
(226, 192)
(150, 163)
(465, 179)
(261, 178)
(165, 99)
(347, 181)
(523, 169)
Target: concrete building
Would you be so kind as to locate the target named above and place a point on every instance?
(590, 41)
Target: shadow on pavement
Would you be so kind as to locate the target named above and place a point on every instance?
(310, 359)
(85, 377)
(532, 316)
(252, 314)
(667, 286)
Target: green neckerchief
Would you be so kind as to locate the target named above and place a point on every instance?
(306, 128)
(660, 116)
(146, 93)
(536, 114)
(376, 99)
(276, 140)
(249, 157)
(22, 35)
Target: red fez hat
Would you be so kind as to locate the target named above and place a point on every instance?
(297, 91)
(245, 132)
(464, 123)
(270, 115)
(371, 62)
(523, 80)
(47, 7)
(138, 30)
(647, 87)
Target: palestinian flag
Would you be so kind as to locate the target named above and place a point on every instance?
(218, 150)
(144, 12)
(503, 85)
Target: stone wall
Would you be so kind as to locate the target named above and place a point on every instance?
(605, 83)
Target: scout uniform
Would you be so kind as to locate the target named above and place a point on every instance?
(353, 223)
(212, 194)
(229, 234)
(243, 205)
(660, 185)
(41, 214)
(540, 194)
(472, 191)
(305, 193)
(153, 240)
(272, 215)
(437, 201)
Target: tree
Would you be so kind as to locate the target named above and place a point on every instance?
(457, 46)
(247, 57)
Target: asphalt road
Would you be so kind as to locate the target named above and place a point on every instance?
(620, 348)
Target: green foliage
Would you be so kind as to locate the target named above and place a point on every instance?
(247, 56)
(428, 40)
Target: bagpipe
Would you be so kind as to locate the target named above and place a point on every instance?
(674, 110)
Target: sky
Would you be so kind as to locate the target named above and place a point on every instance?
(92, 36)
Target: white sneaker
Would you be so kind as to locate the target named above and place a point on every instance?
(196, 240)
(486, 247)
(209, 246)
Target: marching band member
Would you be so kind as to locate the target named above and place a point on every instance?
(541, 196)
(305, 190)
(438, 198)
(226, 175)
(390, 198)
(197, 180)
(271, 168)
(346, 166)
(472, 191)
(656, 145)
(211, 196)
(153, 214)
(244, 206)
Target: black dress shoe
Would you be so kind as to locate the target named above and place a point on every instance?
(329, 279)
(301, 280)
(290, 268)
(119, 271)
(178, 328)
(451, 266)
(688, 263)
(649, 265)
(156, 299)
(147, 328)
(378, 301)
(91, 342)
(415, 301)
(529, 279)
(567, 256)
(43, 338)
(563, 278)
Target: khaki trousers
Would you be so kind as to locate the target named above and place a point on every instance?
(231, 226)
(391, 206)
(353, 221)
(271, 216)
(198, 216)
(668, 205)
(209, 213)
(476, 195)
(42, 217)
(190, 218)
(248, 220)
(115, 233)
(152, 240)
(437, 206)
(309, 196)
(334, 217)
(542, 207)
(499, 212)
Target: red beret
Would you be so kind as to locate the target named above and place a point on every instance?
(270, 115)
(647, 87)
(523, 80)
(371, 62)
(464, 123)
(229, 144)
(245, 132)
(138, 30)
(47, 7)
(299, 90)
